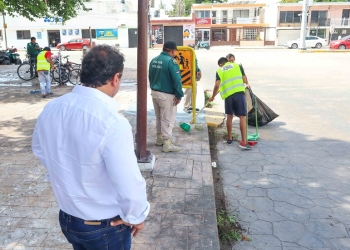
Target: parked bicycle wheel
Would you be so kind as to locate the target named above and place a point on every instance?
(61, 75)
(74, 77)
(26, 71)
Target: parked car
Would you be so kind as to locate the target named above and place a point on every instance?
(310, 41)
(77, 43)
(343, 43)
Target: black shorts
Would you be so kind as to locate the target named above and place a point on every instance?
(236, 104)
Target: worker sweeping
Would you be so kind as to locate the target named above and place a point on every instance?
(229, 82)
(165, 81)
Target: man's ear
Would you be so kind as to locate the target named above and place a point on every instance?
(116, 79)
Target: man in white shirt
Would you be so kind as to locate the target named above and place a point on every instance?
(88, 150)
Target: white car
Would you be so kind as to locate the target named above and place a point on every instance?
(310, 41)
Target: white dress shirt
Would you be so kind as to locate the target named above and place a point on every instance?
(88, 150)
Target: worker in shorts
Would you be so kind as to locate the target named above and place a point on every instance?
(229, 81)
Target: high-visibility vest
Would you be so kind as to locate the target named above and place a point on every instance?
(42, 63)
(230, 80)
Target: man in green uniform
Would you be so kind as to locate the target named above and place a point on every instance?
(165, 81)
(229, 81)
(33, 50)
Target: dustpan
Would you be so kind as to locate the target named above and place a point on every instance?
(254, 137)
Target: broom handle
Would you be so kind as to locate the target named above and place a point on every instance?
(199, 112)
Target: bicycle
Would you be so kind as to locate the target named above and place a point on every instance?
(74, 76)
(61, 73)
(26, 70)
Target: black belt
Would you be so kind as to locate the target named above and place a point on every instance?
(163, 92)
(92, 222)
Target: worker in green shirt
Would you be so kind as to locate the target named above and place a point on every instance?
(33, 50)
(165, 81)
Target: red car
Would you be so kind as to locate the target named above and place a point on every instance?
(77, 43)
(343, 43)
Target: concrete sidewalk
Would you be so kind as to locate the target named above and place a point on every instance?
(180, 188)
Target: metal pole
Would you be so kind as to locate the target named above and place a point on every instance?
(303, 25)
(90, 36)
(149, 28)
(142, 154)
(4, 23)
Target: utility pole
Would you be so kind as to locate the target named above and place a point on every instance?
(142, 154)
(303, 24)
(5, 27)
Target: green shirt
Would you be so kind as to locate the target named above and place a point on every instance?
(164, 75)
(31, 50)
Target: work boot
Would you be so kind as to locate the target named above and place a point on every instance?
(160, 140)
(168, 146)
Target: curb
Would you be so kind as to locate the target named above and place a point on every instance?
(323, 51)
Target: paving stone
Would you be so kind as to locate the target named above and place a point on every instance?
(200, 238)
(327, 228)
(260, 228)
(340, 243)
(257, 204)
(282, 230)
(313, 241)
(186, 220)
(257, 192)
(291, 212)
(172, 195)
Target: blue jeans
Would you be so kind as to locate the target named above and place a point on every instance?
(45, 82)
(92, 237)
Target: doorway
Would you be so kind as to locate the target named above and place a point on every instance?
(54, 38)
(174, 33)
(132, 38)
(202, 35)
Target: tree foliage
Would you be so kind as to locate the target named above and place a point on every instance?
(31, 9)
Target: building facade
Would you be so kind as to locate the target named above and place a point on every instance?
(220, 24)
(327, 20)
(114, 18)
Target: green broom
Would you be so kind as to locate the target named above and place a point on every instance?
(254, 137)
(187, 126)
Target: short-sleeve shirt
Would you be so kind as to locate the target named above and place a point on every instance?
(241, 68)
(48, 55)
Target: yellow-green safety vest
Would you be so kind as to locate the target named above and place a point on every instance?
(230, 80)
(42, 64)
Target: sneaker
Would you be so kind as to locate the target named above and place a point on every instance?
(229, 142)
(50, 93)
(245, 146)
(44, 96)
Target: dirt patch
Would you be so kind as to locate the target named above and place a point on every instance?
(229, 229)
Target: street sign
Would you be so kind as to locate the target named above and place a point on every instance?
(185, 59)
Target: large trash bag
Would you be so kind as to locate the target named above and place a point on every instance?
(265, 114)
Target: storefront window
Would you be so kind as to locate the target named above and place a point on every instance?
(86, 34)
(218, 34)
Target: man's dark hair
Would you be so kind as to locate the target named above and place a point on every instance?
(230, 55)
(32, 38)
(47, 49)
(222, 60)
(100, 65)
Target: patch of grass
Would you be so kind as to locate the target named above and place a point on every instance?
(207, 95)
(228, 227)
(198, 127)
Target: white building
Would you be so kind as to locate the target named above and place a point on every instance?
(104, 16)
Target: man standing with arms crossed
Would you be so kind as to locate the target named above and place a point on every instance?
(33, 50)
(90, 158)
(229, 82)
(165, 81)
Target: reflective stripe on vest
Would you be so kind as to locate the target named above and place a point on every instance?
(231, 80)
(42, 63)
